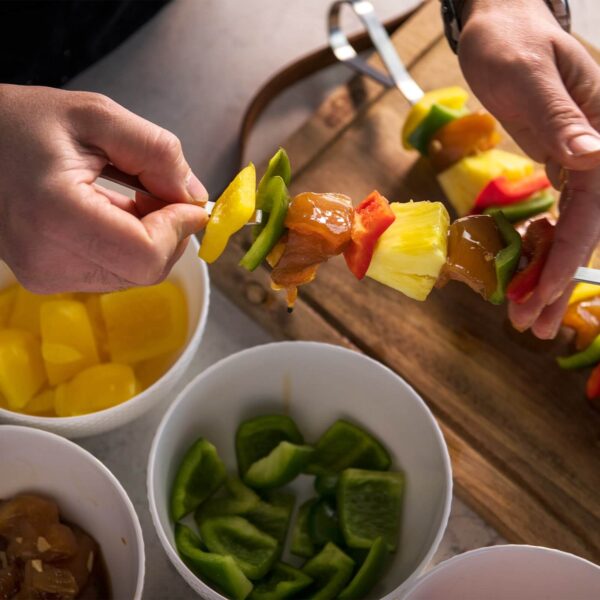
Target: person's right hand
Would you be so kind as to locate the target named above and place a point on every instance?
(59, 230)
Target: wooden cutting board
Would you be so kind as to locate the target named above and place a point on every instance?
(525, 444)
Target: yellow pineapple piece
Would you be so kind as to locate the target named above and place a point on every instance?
(26, 309)
(411, 252)
(143, 323)
(149, 371)
(463, 181)
(68, 344)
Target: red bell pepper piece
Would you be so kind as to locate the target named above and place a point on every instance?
(592, 388)
(502, 192)
(371, 218)
(537, 242)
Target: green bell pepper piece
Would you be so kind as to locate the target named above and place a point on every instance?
(239, 500)
(257, 437)
(507, 260)
(345, 445)
(326, 485)
(302, 544)
(369, 573)
(369, 506)
(282, 582)
(273, 230)
(200, 474)
(217, 569)
(323, 523)
(586, 358)
(436, 118)
(254, 552)
(272, 515)
(281, 466)
(279, 166)
(534, 205)
(331, 570)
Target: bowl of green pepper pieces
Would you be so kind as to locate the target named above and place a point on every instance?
(299, 470)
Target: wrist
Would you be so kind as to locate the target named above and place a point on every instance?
(472, 8)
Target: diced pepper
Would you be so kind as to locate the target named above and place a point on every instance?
(95, 388)
(584, 318)
(279, 166)
(277, 194)
(583, 291)
(255, 552)
(26, 309)
(216, 568)
(451, 97)
(369, 573)
(438, 116)
(7, 300)
(239, 500)
(41, 405)
(409, 254)
(145, 322)
(537, 243)
(200, 474)
(323, 523)
(282, 582)
(283, 464)
(68, 343)
(257, 437)
(231, 212)
(507, 260)
(326, 485)
(302, 544)
(22, 372)
(149, 371)
(272, 515)
(371, 218)
(537, 204)
(463, 181)
(369, 507)
(346, 445)
(331, 570)
(585, 358)
(592, 388)
(502, 192)
(468, 135)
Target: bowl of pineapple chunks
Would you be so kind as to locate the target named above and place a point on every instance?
(82, 364)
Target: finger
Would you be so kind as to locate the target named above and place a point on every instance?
(117, 199)
(146, 204)
(548, 323)
(140, 148)
(554, 173)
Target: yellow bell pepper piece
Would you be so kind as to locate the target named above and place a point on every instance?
(149, 371)
(452, 97)
(463, 181)
(26, 310)
(41, 405)
(143, 323)
(22, 371)
(68, 344)
(231, 212)
(7, 300)
(94, 389)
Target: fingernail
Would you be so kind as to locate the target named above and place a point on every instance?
(584, 144)
(196, 190)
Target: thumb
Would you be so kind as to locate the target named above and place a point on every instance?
(139, 147)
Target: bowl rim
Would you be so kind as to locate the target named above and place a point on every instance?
(449, 563)
(99, 465)
(18, 418)
(171, 552)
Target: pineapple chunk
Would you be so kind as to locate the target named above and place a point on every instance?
(411, 252)
(463, 181)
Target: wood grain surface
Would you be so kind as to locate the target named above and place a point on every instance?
(525, 444)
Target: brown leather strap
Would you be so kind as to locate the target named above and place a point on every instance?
(296, 71)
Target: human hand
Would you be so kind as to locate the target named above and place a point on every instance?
(59, 230)
(544, 88)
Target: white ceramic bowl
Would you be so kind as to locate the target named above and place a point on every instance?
(510, 572)
(192, 275)
(315, 384)
(87, 494)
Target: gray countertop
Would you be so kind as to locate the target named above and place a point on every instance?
(192, 70)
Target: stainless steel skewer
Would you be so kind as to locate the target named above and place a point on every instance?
(398, 76)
